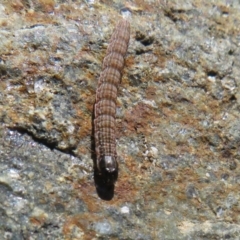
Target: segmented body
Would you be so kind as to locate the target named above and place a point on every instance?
(106, 96)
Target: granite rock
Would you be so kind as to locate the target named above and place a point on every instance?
(177, 120)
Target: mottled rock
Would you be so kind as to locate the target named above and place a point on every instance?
(177, 120)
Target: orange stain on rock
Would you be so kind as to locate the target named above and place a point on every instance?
(47, 5)
(87, 192)
(139, 118)
(81, 222)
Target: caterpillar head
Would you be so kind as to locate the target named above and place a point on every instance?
(108, 169)
(108, 164)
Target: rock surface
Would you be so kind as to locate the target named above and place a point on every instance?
(178, 120)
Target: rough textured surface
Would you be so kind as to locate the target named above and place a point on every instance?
(178, 120)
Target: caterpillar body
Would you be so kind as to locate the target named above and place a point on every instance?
(105, 105)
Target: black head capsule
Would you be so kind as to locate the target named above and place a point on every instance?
(108, 164)
(108, 169)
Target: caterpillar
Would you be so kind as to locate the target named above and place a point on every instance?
(105, 104)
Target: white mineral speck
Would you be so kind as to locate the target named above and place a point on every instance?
(126, 13)
(91, 2)
(103, 227)
(154, 152)
(39, 86)
(125, 209)
(70, 128)
(212, 79)
(19, 204)
(151, 103)
(13, 173)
